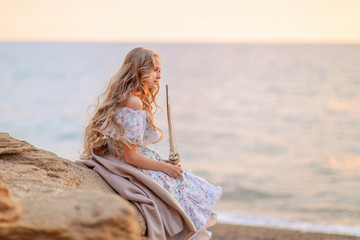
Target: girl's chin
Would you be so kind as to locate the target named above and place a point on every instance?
(155, 86)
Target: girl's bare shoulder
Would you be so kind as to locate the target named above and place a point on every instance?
(134, 103)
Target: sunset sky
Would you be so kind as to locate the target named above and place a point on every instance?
(228, 21)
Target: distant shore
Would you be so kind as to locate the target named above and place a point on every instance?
(222, 231)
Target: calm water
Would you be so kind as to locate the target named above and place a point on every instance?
(277, 126)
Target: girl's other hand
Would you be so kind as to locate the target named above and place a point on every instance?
(174, 171)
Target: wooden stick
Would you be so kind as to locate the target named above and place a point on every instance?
(174, 157)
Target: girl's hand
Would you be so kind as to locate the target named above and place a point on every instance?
(174, 171)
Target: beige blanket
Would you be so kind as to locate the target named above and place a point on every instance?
(165, 217)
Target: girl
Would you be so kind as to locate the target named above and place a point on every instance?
(123, 125)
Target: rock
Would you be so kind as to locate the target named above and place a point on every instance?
(10, 208)
(61, 199)
(9, 145)
(74, 215)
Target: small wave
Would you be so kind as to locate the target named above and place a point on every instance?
(233, 191)
(331, 209)
(292, 225)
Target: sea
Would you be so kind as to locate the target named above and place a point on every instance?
(276, 125)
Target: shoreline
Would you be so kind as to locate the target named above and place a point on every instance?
(228, 231)
(274, 223)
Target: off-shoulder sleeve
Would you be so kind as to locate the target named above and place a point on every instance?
(150, 136)
(133, 122)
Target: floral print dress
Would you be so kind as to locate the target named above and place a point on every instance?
(195, 194)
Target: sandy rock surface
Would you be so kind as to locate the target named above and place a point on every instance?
(10, 145)
(10, 207)
(46, 197)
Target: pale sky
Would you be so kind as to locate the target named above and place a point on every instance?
(228, 21)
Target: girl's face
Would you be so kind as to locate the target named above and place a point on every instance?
(155, 74)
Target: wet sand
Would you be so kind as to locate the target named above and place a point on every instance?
(223, 231)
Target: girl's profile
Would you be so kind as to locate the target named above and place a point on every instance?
(115, 142)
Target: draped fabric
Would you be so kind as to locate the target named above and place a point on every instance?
(174, 208)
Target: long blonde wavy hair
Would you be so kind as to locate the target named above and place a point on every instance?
(135, 71)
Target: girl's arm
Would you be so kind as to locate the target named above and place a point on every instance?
(133, 157)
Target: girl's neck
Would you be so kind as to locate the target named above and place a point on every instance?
(137, 94)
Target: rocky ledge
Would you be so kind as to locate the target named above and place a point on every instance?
(43, 196)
